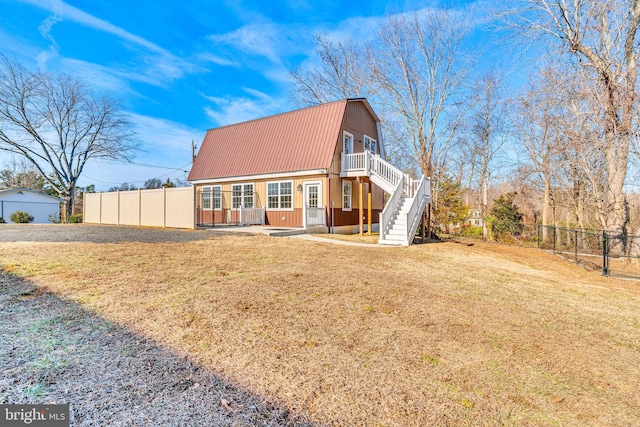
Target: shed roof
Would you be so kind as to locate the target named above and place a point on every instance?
(19, 190)
(298, 140)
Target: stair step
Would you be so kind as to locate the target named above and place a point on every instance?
(391, 242)
(393, 237)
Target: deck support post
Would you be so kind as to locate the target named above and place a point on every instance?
(369, 203)
(361, 204)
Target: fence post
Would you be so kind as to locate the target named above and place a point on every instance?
(554, 240)
(605, 253)
(576, 245)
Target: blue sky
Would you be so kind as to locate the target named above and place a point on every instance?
(180, 68)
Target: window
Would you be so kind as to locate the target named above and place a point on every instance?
(280, 195)
(241, 196)
(346, 195)
(206, 197)
(217, 197)
(370, 144)
(347, 143)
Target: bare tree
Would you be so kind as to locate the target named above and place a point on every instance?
(420, 70)
(489, 131)
(602, 37)
(540, 128)
(341, 73)
(20, 173)
(57, 124)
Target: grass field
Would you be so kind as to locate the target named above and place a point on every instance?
(435, 334)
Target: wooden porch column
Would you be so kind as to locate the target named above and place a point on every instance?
(361, 207)
(369, 202)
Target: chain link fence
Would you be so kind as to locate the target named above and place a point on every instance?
(612, 254)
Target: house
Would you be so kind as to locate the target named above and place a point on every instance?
(475, 219)
(39, 205)
(321, 166)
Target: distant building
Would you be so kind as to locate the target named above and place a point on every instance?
(475, 219)
(39, 205)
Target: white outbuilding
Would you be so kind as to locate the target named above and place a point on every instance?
(41, 206)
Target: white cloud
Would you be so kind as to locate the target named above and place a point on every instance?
(63, 10)
(257, 39)
(208, 57)
(161, 65)
(165, 152)
(97, 75)
(257, 94)
(235, 110)
(161, 134)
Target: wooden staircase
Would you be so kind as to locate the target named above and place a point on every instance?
(408, 197)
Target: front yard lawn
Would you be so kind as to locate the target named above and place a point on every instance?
(435, 334)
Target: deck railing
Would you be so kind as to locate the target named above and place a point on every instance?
(372, 164)
(316, 217)
(252, 216)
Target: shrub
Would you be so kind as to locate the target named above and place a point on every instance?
(2, 221)
(472, 231)
(75, 218)
(505, 218)
(20, 217)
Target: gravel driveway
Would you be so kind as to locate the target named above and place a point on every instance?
(99, 234)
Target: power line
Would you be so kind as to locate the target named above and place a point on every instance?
(174, 170)
(148, 165)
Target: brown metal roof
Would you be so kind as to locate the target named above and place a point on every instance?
(298, 140)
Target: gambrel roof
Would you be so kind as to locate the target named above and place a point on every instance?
(300, 140)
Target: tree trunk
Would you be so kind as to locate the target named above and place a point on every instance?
(546, 207)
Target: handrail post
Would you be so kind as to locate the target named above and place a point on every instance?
(366, 163)
(605, 253)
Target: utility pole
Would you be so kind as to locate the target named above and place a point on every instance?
(193, 151)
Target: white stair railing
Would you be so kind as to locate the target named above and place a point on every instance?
(418, 204)
(395, 182)
(383, 169)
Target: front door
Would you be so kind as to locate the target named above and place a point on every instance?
(312, 201)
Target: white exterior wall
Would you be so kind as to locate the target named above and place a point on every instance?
(39, 206)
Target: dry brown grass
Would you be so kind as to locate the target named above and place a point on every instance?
(440, 334)
(355, 238)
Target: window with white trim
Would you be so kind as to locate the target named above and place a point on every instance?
(370, 144)
(347, 143)
(217, 197)
(346, 195)
(206, 197)
(280, 195)
(242, 196)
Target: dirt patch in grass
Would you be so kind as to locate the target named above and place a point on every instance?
(442, 334)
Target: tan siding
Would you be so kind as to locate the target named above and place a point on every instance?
(293, 217)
